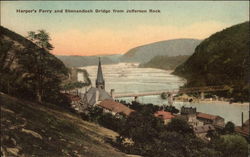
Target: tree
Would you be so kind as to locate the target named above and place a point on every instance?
(41, 39)
(229, 128)
(179, 125)
(232, 146)
(42, 76)
(141, 127)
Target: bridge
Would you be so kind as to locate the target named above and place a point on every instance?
(175, 91)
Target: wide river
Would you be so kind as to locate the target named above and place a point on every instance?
(128, 78)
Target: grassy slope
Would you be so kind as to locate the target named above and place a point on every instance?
(30, 129)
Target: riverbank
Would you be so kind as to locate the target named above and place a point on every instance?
(222, 102)
(216, 102)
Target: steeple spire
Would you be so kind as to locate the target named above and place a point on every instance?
(100, 83)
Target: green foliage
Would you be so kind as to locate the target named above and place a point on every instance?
(229, 128)
(180, 125)
(94, 113)
(221, 59)
(171, 109)
(151, 138)
(74, 85)
(29, 71)
(112, 122)
(143, 134)
(41, 38)
(141, 127)
(232, 146)
(105, 119)
(165, 62)
(163, 95)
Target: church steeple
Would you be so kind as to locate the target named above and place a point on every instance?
(100, 83)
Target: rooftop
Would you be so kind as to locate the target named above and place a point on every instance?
(115, 107)
(164, 115)
(207, 116)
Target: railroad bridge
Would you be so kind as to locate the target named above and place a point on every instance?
(200, 90)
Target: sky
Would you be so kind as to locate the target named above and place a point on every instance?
(88, 34)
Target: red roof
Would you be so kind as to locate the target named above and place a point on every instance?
(164, 115)
(115, 107)
(207, 116)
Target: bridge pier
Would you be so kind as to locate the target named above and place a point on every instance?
(202, 96)
(170, 99)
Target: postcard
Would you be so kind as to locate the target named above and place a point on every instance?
(124, 78)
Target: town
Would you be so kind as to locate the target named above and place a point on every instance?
(124, 79)
(201, 123)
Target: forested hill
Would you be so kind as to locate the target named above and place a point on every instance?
(175, 47)
(221, 59)
(24, 66)
(79, 61)
(165, 62)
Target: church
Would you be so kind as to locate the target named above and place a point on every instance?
(97, 96)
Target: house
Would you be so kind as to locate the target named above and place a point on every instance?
(190, 114)
(114, 107)
(215, 120)
(201, 131)
(165, 116)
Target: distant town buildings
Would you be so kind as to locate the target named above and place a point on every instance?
(202, 131)
(202, 123)
(190, 114)
(216, 121)
(165, 116)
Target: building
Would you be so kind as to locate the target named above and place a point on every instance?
(202, 131)
(190, 114)
(100, 83)
(165, 116)
(97, 94)
(114, 107)
(215, 120)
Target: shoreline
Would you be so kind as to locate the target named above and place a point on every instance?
(217, 102)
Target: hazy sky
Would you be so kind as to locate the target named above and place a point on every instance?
(100, 33)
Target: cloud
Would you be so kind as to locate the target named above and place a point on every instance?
(108, 41)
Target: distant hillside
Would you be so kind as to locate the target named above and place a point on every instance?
(221, 59)
(79, 61)
(165, 62)
(31, 129)
(144, 53)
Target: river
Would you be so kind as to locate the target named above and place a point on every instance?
(128, 78)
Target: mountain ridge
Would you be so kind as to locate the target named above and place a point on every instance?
(173, 47)
(221, 59)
